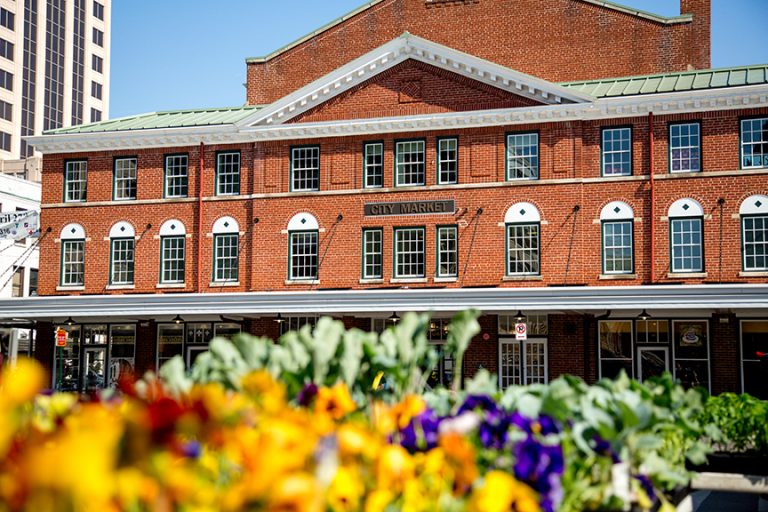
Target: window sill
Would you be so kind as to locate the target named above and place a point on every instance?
(616, 277)
(219, 284)
(404, 280)
(70, 288)
(754, 273)
(522, 278)
(445, 279)
(687, 275)
(299, 282)
(371, 281)
(121, 287)
(170, 285)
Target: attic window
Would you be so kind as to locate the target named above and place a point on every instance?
(448, 3)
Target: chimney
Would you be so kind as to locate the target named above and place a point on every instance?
(699, 48)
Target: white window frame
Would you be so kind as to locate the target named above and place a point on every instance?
(218, 261)
(115, 275)
(447, 253)
(763, 131)
(606, 247)
(764, 243)
(66, 275)
(685, 143)
(176, 180)
(522, 161)
(673, 222)
(522, 376)
(397, 252)
(125, 185)
(175, 260)
(613, 154)
(313, 242)
(368, 245)
(509, 227)
(75, 181)
(373, 164)
(447, 164)
(305, 168)
(413, 168)
(228, 173)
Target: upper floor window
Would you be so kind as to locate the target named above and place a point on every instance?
(97, 63)
(122, 239)
(75, 180)
(754, 233)
(616, 219)
(754, 143)
(98, 37)
(7, 19)
(98, 10)
(409, 253)
(686, 218)
(685, 147)
(33, 275)
(172, 252)
(373, 251)
(303, 231)
(447, 160)
(17, 286)
(228, 173)
(125, 178)
(6, 110)
(305, 168)
(226, 250)
(6, 49)
(97, 90)
(447, 251)
(6, 80)
(616, 149)
(95, 115)
(72, 255)
(523, 222)
(373, 165)
(176, 169)
(409, 163)
(522, 156)
(5, 141)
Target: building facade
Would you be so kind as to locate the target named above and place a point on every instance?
(625, 220)
(54, 68)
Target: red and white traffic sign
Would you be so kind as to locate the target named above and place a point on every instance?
(521, 332)
(61, 337)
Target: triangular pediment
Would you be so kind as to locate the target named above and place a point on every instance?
(404, 48)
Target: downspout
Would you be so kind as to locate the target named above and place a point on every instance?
(200, 220)
(652, 223)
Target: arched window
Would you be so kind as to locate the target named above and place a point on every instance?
(523, 226)
(122, 240)
(616, 220)
(686, 232)
(72, 255)
(172, 252)
(226, 250)
(754, 233)
(303, 231)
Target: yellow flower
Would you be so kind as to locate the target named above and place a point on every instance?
(354, 441)
(335, 402)
(394, 467)
(378, 500)
(270, 393)
(297, 492)
(346, 490)
(387, 419)
(500, 492)
(21, 382)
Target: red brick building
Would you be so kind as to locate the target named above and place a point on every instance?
(431, 155)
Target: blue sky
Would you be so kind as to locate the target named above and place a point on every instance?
(170, 54)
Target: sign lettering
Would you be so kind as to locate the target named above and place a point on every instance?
(410, 208)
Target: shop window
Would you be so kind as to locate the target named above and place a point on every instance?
(122, 353)
(690, 345)
(523, 156)
(685, 147)
(754, 143)
(189, 340)
(445, 370)
(409, 253)
(228, 173)
(305, 168)
(616, 151)
(523, 362)
(373, 253)
(176, 170)
(75, 180)
(447, 160)
(616, 347)
(294, 323)
(754, 233)
(373, 165)
(754, 368)
(410, 161)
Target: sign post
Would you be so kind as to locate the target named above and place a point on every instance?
(521, 332)
(61, 343)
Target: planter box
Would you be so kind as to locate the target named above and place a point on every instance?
(741, 463)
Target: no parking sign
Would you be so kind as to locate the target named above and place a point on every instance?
(521, 332)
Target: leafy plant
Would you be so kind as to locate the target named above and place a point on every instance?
(742, 421)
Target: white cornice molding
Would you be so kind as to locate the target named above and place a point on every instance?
(399, 50)
(708, 100)
(576, 298)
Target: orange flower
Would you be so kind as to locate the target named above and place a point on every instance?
(394, 468)
(460, 456)
(298, 492)
(21, 382)
(335, 402)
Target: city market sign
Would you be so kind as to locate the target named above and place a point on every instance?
(409, 208)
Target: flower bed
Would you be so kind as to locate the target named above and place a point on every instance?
(340, 420)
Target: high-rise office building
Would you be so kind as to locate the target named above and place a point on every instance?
(54, 68)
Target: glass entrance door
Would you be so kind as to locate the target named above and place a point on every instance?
(652, 361)
(95, 368)
(193, 352)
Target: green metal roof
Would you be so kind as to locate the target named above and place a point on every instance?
(165, 119)
(672, 82)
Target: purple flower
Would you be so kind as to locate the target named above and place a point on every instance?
(307, 394)
(645, 482)
(422, 433)
(483, 402)
(543, 425)
(191, 450)
(604, 448)
(493, 430)
(541, 466)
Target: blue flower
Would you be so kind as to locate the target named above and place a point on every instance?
(422, 432)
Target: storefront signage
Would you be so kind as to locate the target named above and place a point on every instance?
(410, 208)
(61, 337)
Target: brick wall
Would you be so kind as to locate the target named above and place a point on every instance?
(725, 356)
(559, 40)
(569, 177)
